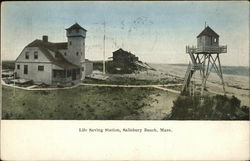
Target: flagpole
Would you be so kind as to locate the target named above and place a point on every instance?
(14, 84)
(104, 49)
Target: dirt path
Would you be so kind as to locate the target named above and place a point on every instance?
(162, 87)
(32, 88)
(167, 89)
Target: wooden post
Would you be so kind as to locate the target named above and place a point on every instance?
(14, 84)
(221, 75)
(104, 70)
(203, 75)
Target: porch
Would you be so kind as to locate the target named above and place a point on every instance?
(65, 76)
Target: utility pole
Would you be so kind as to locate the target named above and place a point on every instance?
(104, 26)
(14, 83)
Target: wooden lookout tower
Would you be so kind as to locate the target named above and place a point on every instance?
(204, 57)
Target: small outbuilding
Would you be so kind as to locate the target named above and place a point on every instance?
(123, 57)
(89, 67)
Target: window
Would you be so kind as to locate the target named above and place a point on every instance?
(78, 71)
(82, 68)
(68, 73)
(70, 43)
(215, 40)
(18, 66)
(77, 53)
(40, 68)
(35, 55)
(57, 55)
(54, 73)
(25, 71)
(65, 54)
(77, 30)
(27, 55)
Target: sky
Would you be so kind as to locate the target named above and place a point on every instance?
(157, 32)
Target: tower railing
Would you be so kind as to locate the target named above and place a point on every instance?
(207, 49)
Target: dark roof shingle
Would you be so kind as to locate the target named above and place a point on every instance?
(61, 45)
(76, 26)
(59, 60)
(208, 32)
(122, 51)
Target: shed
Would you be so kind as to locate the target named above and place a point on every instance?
(88, 67)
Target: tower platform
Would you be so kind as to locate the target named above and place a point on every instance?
(206, 49)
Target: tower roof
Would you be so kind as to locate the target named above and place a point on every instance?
(76, 26)
(208, 32)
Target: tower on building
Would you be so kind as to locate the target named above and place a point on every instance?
(76, 44)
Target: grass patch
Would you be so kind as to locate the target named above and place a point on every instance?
(81, 103)
(128, 81)
(217, 107)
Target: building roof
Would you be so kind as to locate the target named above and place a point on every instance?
(76, 26)
(59, 60)
(58, 46)
(122, 51)
(208, 32)
(87, 60)
(61, 45)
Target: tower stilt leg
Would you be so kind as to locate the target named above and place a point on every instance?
(203, 75)
(207, 70)
(222, 80)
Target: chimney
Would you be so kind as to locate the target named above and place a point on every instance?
(45, 38)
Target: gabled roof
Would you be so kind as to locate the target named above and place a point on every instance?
(119, 50)
(208, 32)
(58, 46)
(59, 60)
(122, 51)
(61, 45)
(76, 26)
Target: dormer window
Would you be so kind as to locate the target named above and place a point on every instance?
(27, 55)
(35, 55)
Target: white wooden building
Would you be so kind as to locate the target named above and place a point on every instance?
(55, 63)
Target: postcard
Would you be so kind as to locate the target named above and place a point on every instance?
(125, 80)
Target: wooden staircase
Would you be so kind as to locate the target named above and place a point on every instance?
(187, 78)
(192, 67)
